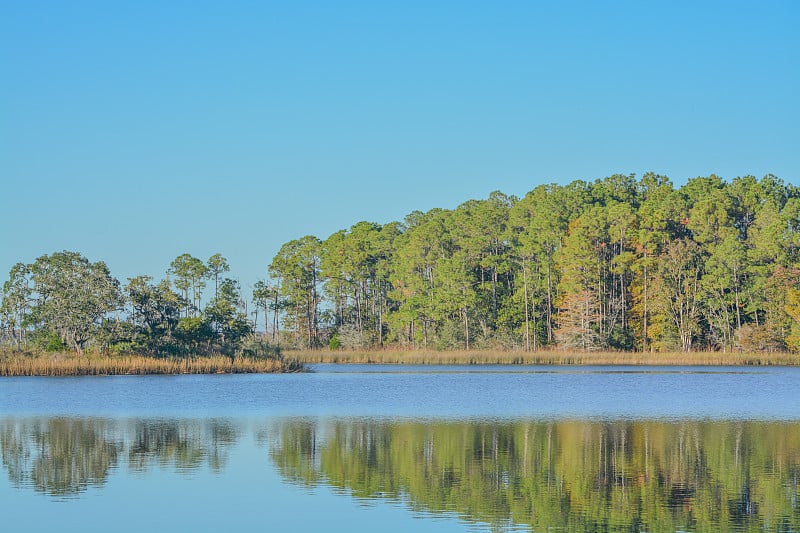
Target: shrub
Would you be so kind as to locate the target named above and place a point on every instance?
(335, 342)
(258, 348)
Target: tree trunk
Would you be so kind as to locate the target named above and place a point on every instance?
(549, 304)
(380, 320)
(738, 313)
(494, 294)
(275, 317)
(313, 325)
(527, 320)
(644, 312)
(17, 331)
(359, 311)
(266, 318)
(466, 326)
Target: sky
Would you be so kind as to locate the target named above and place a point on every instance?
(133, 132)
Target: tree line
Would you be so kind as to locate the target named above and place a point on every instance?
(64, 301)
(618, 263)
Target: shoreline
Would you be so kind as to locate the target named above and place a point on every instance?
(68, 364)
(544, 357)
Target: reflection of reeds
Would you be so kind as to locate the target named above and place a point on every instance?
(549, 357)
(62, 364)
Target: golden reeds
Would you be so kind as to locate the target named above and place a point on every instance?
(69, 364)
(548, 357)
(73, 365)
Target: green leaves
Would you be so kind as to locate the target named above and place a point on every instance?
(615, 263)
(71, 296)
(296, 267)
(15, 306)
(659, 267)
(155, 311)
(189, 277)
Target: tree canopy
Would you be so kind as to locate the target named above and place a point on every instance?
(63, 301)
(618, 263)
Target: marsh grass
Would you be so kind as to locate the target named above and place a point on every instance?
(550, 357)
(68, 364)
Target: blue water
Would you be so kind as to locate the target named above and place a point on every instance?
(425, 391)
(199, 452)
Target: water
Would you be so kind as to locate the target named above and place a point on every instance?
(359, 448)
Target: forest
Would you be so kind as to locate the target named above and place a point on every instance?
(618, 263)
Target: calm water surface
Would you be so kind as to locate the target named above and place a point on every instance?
(359, 448)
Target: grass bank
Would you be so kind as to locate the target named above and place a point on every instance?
(67, 364)
(554, 357)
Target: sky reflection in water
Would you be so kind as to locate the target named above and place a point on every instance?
(573, 474)
(583, 451)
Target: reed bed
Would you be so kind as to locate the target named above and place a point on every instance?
(548, 357)
(74, 365)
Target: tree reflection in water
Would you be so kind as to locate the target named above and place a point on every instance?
(59, 456)
(579, 476)
(64, 456)
(185, 445)
(573, 475)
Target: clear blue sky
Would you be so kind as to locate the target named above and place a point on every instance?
(133, 132)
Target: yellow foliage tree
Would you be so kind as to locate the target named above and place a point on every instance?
(792, 309)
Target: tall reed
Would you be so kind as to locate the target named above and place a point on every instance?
(74, 365)
(548, 357)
